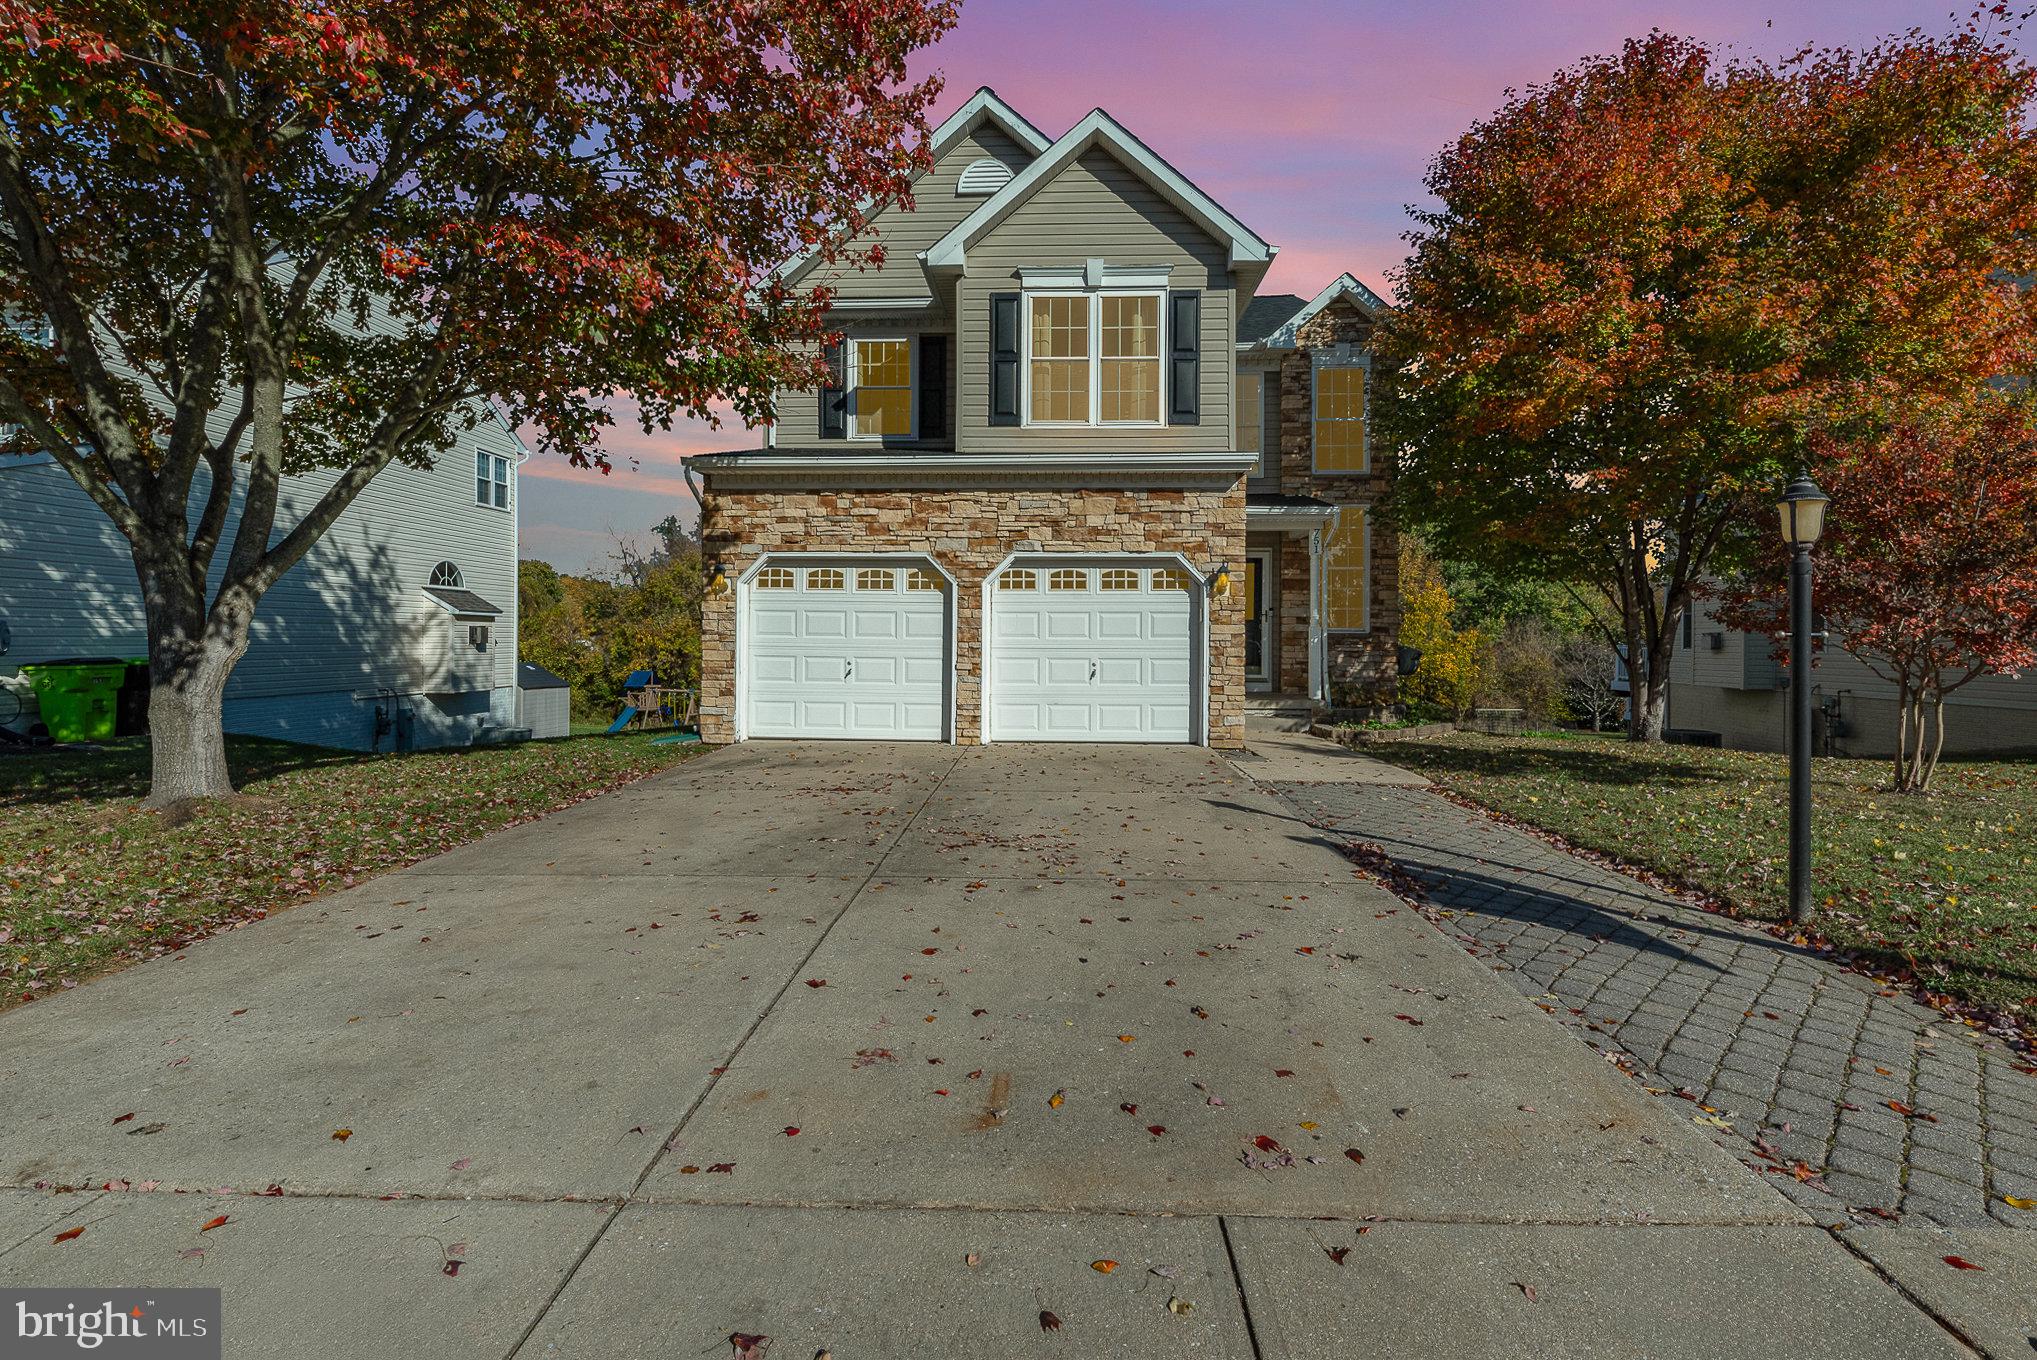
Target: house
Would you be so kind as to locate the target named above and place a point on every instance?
(1735, 684)
(397, 630)
(1069, 478)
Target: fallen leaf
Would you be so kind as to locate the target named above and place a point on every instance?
(67, 1235)
(452, 1267)
(1129, 1109)
(749, 1347)
(2018, 1202)
(1308, 1124)
(1355, 1155)
(191, 1254)
(1265, 1144)
(1961, 1263)
(791, 1130)
(1055, 1101)
(122, 1119)
(1337, 1254)
(724, 1168)
(1103, 1267)
(212, 1223)
(973, 1259)
(1049, 1322)
(1156, 1129)
(1527, 1290)
(341, 1135)
(463, 1163)
(1283, 1072)
(1180, 1307)
(1127, 1038)
(816, 982)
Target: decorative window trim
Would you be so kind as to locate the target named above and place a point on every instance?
(1078, 287)
(449, 575)
(853, 384)
(1340, 358)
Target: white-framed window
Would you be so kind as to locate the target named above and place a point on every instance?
(1018, 578)
(775, 578)
(1251, 423)
(826, 578)
(1338, 418)
(1118, 578)
(491, 479)
(447, 575)
(1172, 578)
(876, 578)
(880, 382)
(1094, 358)
(919, 578)
(1067, 578)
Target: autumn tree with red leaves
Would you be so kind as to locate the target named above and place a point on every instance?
(1652, 279)
(1928, 570)
(545, 205)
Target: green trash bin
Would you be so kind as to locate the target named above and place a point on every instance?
(78, 697)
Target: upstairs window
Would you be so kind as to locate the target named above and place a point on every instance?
(1093, 358)
(1339, 427)
(1251, 414)
(447, 575)
(491, 479)
(880, 378)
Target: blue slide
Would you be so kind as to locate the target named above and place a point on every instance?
(635, 680)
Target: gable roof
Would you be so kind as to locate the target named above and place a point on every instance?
(1344, 285)
(1099, 129)
(1264, 315)
(983, 107)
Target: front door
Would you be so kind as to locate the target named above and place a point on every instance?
(1260, 634)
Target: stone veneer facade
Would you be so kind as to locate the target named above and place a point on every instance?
(1361, 665)
(969, 532)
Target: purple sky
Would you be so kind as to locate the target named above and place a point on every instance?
(1312, 121)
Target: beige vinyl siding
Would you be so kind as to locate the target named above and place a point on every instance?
(936, 209)
(1094, 208)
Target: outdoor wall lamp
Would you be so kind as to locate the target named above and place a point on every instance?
(1802, 511)
(1220, 579)
(717, 579)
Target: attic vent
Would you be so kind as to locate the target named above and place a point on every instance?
(983, 177)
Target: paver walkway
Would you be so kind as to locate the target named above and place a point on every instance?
(1891, 1106)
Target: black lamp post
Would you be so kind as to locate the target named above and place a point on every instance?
(1803, 518)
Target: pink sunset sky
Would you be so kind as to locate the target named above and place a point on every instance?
(1311, 121)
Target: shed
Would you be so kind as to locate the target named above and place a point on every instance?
(544, 701)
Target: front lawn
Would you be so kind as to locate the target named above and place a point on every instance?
(89, 880)
(1943, 886)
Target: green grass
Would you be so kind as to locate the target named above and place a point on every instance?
(89, 880)
(1943, 886)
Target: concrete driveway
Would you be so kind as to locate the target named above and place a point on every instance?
(877, 1049)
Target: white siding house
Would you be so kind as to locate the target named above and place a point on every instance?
(397, 630)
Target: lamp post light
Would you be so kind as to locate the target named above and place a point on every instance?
(1802, 508)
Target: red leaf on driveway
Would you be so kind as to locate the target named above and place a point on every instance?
(816, 982)
(67, 1235)
(123, 1118)
(1337, 1254)
(1355, 1155)
(209, 1224)
(1961, 1263)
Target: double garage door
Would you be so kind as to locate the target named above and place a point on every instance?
(1095, 651)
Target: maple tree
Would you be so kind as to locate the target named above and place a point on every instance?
(1928, 571)
(270, 238)
(1653, 278)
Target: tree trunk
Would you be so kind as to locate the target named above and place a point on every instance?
(1902, 771)
(187, 742)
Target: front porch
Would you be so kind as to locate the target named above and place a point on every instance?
(1286, 663)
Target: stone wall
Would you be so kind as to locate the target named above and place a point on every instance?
(1361, 665)
(968, 532)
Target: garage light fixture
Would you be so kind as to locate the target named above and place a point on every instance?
(1220, 579)
(717, 579)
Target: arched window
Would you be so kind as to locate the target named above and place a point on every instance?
(446, 574)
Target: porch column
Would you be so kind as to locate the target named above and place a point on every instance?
(1317, 660)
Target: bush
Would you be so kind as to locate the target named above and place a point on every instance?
(1456, 663)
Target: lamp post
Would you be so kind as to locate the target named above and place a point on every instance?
(1802, 508)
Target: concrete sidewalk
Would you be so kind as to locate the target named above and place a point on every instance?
(885, 1050)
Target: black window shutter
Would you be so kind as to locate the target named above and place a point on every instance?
(1184, 378)
(933, 387)
(834, 401)
(1004, 358)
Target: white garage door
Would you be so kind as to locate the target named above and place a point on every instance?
(849, 650)
(1092, 653)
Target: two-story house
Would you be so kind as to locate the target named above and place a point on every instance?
(1068, 479)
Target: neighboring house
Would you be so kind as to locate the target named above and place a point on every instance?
(397, 629)
(1069, 481)
(1735, 684)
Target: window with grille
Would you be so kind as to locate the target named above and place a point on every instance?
(1250, 430)
(1060, 360)
(447, 574)
(491, 479)
(775, 578)
(1068, 578)
(826, 578)
(876, 578)
(1130, 373)
(1340, 419)
(882, 377)
(1172, 578)
(1119, 578)
(1347, 574)
(919, 578)
(1018, 579)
